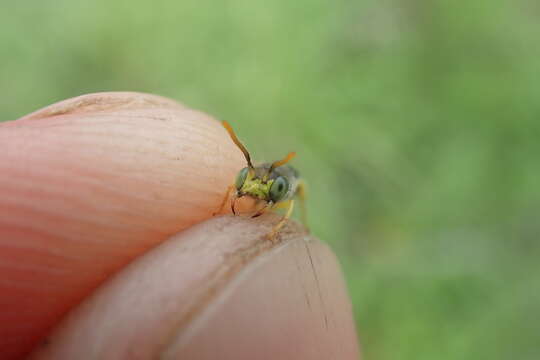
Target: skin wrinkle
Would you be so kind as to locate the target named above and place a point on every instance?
(297, 264)
(116, 125)
(66, 202)
(119, 190)
(123, 149)
(46, 219)
(54, 272)
(34, 206)
(87, 178)
(318, 284)
(38, 251)
(141, 173)
(90, 257)
(108, 192)
(103, 102)
(90, 180)
(30, 267)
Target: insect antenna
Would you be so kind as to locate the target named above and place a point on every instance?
(242, 148)
(283, 161)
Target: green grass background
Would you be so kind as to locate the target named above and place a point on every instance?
(416, 125)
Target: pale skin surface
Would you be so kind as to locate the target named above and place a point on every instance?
(96, 182)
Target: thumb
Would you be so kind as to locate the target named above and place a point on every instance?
(217, 291)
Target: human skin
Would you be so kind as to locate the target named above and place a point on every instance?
(109, 248)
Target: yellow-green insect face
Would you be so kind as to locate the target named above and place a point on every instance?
(259, 184)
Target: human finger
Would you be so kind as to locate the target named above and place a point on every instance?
(220, 290)
(87, 185)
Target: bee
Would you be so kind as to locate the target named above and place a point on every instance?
(276, 184)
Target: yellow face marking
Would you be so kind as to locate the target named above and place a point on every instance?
(256, 188)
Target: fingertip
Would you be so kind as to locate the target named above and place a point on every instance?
(87, 185)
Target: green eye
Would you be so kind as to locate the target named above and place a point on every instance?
(279, 188)
(241, 178)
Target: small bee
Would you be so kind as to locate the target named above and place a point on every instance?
(275, 184)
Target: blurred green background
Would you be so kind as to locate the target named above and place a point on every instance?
(416, 124)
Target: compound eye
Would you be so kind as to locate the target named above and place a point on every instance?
(241, 178)
(279, 188)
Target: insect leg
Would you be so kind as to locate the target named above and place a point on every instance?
(227, 195)
(301, 193)
(282, 221)
(262, 210)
